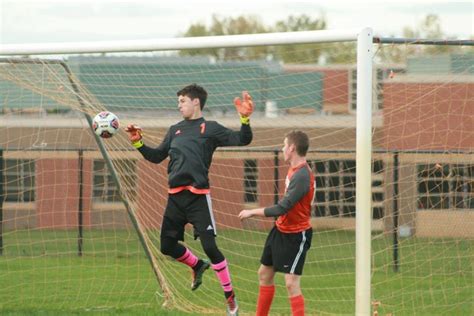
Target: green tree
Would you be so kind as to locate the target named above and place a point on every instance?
(228, 26)
(299, 53)
(341, 53)
(334, 53)
(428, 28)
(250, 25)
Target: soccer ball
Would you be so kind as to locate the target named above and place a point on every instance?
(105, 124)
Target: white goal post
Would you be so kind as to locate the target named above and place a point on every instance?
(364, 39)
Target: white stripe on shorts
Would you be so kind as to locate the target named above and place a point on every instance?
(209, 205)
(293, 267)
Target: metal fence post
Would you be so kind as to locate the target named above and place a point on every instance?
(80, 205)
(2, 198)
(395, 211)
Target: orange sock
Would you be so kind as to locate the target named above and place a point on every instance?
(265, 298)
(297, 305)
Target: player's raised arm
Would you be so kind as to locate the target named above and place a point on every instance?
(155, 155)
(244, 106)
(228, 137)
(135, 135)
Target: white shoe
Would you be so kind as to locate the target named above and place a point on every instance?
(232, 306)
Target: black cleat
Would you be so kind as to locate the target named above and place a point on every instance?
(197, 274)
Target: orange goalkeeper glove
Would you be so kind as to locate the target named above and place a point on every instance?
(245, 107)
(135, 135)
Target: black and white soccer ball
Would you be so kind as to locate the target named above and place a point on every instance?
(105, 124)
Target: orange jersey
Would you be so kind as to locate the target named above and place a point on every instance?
(294, 209)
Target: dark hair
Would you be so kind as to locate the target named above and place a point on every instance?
(300, 140)
(194, 91)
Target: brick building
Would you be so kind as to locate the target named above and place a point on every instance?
(421, 117)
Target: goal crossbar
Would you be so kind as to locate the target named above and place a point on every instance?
(280, 38)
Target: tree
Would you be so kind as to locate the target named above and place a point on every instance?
(228, 26)
(341, 53)
(299, 53)
(428, 28)
(250, 25)
(334, 53)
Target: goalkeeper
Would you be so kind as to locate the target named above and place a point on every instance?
(190, 145)
(289, 240)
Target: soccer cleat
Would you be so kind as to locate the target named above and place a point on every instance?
(232, 306)
(197, 274)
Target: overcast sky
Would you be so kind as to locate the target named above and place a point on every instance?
(35, 21)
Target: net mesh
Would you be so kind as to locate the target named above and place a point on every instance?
(69, 243)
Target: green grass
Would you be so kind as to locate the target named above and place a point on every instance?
(41, 274)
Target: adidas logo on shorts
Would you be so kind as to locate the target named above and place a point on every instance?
(209, 227)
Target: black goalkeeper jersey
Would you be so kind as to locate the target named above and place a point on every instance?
(190, 145)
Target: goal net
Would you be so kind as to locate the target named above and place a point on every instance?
(81, 216)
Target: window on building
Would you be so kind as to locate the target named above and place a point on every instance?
(335, 188)
(104, 186)
(250, 181)
(19, 180)
(447, 186)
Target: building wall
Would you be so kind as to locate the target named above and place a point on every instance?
(57, 191)
(57, 174)
(57, 187)
(335, 84)
(431, 116)
(336, 87)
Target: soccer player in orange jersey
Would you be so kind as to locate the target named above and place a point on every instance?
(289, 240)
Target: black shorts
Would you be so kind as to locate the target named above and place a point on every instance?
(186, 207)
(286, 252)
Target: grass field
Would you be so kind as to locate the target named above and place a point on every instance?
(41, 274)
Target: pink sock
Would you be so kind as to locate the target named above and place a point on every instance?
(223, 274)
(188, 258)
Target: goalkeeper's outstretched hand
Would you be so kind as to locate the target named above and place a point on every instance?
(245, 106)
(134, 133)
